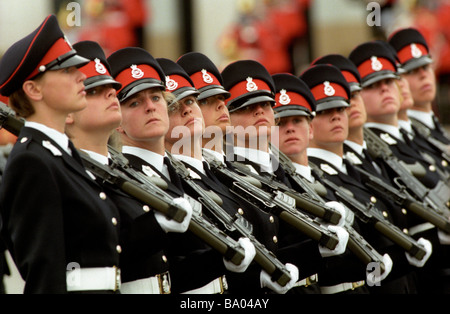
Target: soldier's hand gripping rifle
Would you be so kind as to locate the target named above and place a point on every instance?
(235, 225)
(277, 203)
(405, 179)
(147, 192)
(217, 239)
(368, 214)
(356, 243)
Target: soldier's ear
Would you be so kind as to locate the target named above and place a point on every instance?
(120, 129)
(32, 89)
(69, 119)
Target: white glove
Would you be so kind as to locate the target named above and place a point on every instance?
(170, 225)
(428, 248)
(342, 235)
(249, 251)
(444, 237)
(267, 282)
(375, 277)
(339, 208)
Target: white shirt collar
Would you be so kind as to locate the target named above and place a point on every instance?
(406, 125)
(98, 157)
(60, 138)
(356, 147)
(197, 164)
(391, 129)
(304, 171)
(150, 157)
(424, 117)
(260, 157)
(328, 156)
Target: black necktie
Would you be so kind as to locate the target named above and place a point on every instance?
(75, 154)
(367, 155)
(351, 171)
(170, 169)
(174, 178)
(406, 138)
(437, 125)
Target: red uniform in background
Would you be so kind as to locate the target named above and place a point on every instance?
(118, 24)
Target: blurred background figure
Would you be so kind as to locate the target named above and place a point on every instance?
(114, 24)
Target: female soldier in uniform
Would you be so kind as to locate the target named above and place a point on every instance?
(59, 225)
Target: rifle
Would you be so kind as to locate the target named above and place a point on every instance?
(356, 243)
(148, 193)
(370, 215)
(439, 146)
(236, 224)
(305, 202)
(379, 149)
(278, 203)
(402, 198)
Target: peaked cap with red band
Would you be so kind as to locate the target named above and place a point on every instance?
(293, 97)
(248, 82)
(136, 69)
(412, 48)
(204, 74)
(328, 86)
(347, 67)
(98, 71)
(374, 61)
(178, 81)
(46, 48)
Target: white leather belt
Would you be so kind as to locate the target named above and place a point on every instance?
(342, 287)
(420, 228)
(159, 284)
(307, 281)
(218, 285)
(95, 278)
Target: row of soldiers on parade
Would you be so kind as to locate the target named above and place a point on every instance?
(135, 174)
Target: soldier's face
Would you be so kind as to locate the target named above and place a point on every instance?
(144, 116)
(215, 112)
(63, 89)
(102, 111)
(331, 126)
(295, 132)
(357, 115)
(253, 120)
(407, 100)
(185, 120)
(382, 99)
(422, 82)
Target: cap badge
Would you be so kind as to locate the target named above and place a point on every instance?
(251, 86)
(376, 64)
(328, 89)
(415, 51)
(171, 84)
(99, 67)
(136, 72)
(206, 77)
(284, 98)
